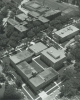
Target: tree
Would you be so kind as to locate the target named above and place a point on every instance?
(42, 27)
(36, 23)
(30, 34)
(13, 44)
(1, 19)
(11, 93)
(46, 25)
(77, 38)
(77, 66)
(29, 26)
(2, 78)
(10, 30)
(68, 89)
(18, 82)
(76, 51)
(4, 12)
(67, 74)
(1, 29)
(36, 30)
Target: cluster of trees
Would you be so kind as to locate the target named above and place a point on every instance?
(71, 84)
(77, 2)
(35, 27)
(11, 93)
(11, 38)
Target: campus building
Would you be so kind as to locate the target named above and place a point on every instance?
(21, 56)
(12, 22)
(43, 19)
(25, 70)
(66, 33)
(21, 17)
(33, 14)
(43, 78)
(42, 10)
(21, 28)
(38, 48)
(31, 5)
(53, 57)
(51, 14)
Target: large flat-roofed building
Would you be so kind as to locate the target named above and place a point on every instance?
(37, 48)
(51, 14)
(21, 17)
(53, 57)
(43, 19)
(66, 33)
(21, 28)
(25, 70)
(12, 22)
(32, 5)
(21, 56)
(33, 14)
(43, 78)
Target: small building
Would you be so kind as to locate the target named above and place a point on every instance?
(25, 70)
(38, 48)
(51, 14)
(43, 78)
(33, 14)
(21, 28)
(53, 57)
(12, 22)
(21, 56)
(21, 17)
(43, 19)
(66, 33)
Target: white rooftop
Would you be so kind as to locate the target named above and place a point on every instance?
(67, 31)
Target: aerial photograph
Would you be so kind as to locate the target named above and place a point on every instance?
(39, 49)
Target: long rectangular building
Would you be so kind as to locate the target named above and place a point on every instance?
(12, 22)
(51, 14)
(66, 33)
(25, 70)
(21, 56)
